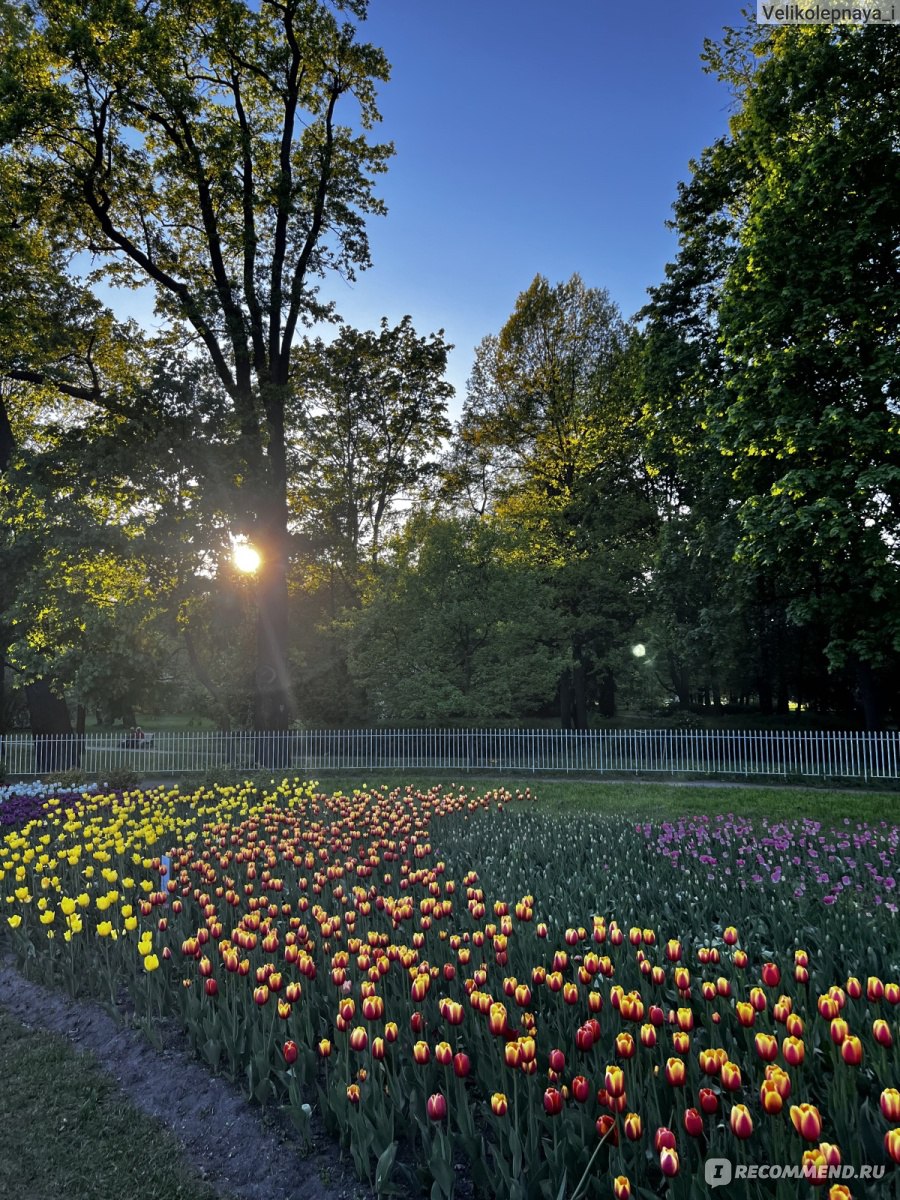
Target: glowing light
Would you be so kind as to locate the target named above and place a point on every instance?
(639, 650)
(246, 558)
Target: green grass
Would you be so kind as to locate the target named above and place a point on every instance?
(660, 800)
(65, 1130)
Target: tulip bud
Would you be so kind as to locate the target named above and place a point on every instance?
(633, 1127)
(746, 1013)
(793, 1050)
(290, 1052)
(557, 1060)
(731, 1076)
(771, 974)
(614, 1081)
(675, 1072)
(664, 1137)
(851, 1051)
(890, 1104)
(807, 1121)
(693, 1122)
(741, 1121)
(436, 1107)
(553, 1102)
(766, 1046)
(709, 1101)
(607, 1129)
(668, 1161)
(770, 1098)
(622, 1187)
(892, 1144)
(881, 1032)
(499, 1104)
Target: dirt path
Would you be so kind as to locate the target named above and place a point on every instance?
(242, 1154)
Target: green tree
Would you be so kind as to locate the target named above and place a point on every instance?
(550, 423)
(781, 314)
(457, 626)
(200, 150)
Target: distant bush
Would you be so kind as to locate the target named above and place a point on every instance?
(120, 779)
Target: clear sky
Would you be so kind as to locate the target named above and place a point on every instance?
(531, 137)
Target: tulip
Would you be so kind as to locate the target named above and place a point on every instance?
(581, 1089)
(499, 1104)
(693, 1122)
(839, 1030)
(881, 1032)
(874, 988)
(622, 1187)
(741, 1121)
(771, 974)
(807, 1121)
(607, 1129)
(553, 1102)
(209, 985)
(359, 1039)
(353, 1094)
(892, 1144)
(668, 1162)
(633, 1127)
(462, 1065)
(557, 1060)
(378, 1049)
(497, 1020)
(793, 1050)
(709, 1101)
(730, 936)
(766, 1046)
(839, 1191)
(746, 1013)
(890, 1104)
(731, 1077)
(614, 1081)
(421, 1053)
(290, 1052)
(851, 1051)
(781, 1079)
(625, 1045)
(664, 1137)
(828, 1007)
(770, 1097)
(740, 959)
(436, 1107)
(892, 993)
(675, 1072)
(758, 999)
(324, 1048)
(854, 988)
(391, 1032)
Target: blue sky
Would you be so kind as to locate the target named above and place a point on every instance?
(531, 137)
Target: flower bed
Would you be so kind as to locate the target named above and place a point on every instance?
(586, 1007)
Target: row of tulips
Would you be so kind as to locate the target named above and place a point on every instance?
(571, 1009)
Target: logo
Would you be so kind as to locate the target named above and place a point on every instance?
(717, 1171)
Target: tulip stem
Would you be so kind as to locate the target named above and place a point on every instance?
(587, 1170)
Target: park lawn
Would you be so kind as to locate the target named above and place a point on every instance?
(657, 800)
(66, 1130)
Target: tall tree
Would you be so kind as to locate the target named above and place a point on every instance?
(553, 398)
(199, 149)
(373, 412)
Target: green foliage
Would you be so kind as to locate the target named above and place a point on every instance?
(121, 779)
(457, 625)
(550, 426)
(770, 369)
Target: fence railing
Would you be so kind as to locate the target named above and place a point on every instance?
(742, 753)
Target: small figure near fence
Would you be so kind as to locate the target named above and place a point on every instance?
(137, 739)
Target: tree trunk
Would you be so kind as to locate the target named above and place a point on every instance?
(55, 746)
(869, 696)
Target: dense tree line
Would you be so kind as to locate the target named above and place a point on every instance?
(694, 509)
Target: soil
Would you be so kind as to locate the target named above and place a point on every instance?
(243, 1152)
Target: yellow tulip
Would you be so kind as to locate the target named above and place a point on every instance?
(151, 962)
(14, 921)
